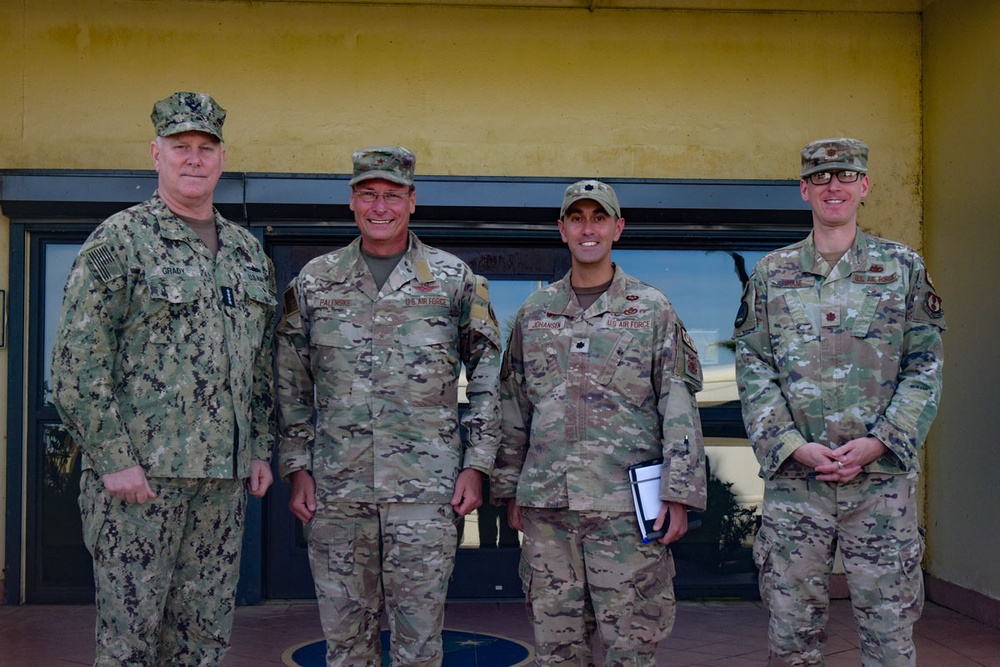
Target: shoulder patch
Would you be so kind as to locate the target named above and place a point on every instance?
(103, 264)
(688, 366)
(745, 316)
(423, 269)
(291, 301)
(928, 305)
(933, 306)
(482, 288)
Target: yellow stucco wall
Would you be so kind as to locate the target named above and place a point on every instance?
(517, 92)
(962, 59)
(508, 92)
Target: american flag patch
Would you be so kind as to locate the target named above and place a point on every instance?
(103, 264)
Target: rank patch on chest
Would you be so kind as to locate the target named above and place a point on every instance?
(581, 345)
(228, 297)
(831, 317)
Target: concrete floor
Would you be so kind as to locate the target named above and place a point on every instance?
(733, 634)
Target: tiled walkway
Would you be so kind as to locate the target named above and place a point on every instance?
(731, 634)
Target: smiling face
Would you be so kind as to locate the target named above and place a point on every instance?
(189, 165)
(835, 204)
(382, 212)
(589, 232)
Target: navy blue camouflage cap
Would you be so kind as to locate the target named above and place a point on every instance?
(602, 193)
(188, 112)
(834, 155)
(391, 163)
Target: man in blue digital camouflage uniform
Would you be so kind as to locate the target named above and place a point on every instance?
(370, 350)
(599, 374)
(838, 362)
(161, 372)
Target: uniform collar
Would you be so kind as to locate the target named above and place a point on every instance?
(612, 300)
(175, 229)
(856, 257)
(413, 265)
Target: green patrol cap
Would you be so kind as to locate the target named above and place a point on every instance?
(834, 155)
(602, 193)
(187, 112)
(392, 163)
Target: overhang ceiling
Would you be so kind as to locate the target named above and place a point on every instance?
(832, 7)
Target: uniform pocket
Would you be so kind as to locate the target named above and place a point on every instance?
(901, 578)
(655, 606)
(337, 358)
(866, 313)
(623, 368)
(524, 572)
(430, 359)
(175, 313)
(331, 547)
(93, 510)
(762, 558)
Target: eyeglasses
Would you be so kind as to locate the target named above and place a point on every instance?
(390, 198)
(824, 177)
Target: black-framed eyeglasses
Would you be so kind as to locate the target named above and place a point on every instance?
(824, 177)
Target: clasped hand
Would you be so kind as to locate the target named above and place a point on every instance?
(842, 464)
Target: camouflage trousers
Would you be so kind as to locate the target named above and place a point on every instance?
(366, 557)
(589, 572)
(874, 521)
(165, 571)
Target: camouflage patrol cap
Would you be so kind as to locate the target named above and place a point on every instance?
(392, 163)
(188, 112)
(602, 193)
(834, 155)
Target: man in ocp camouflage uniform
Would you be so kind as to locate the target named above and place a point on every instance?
(599, 374)
(839, 362)
(370, 350)
(161, 372)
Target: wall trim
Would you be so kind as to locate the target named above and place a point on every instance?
(963, 600)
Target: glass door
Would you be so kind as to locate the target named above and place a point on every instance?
(57, 565)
